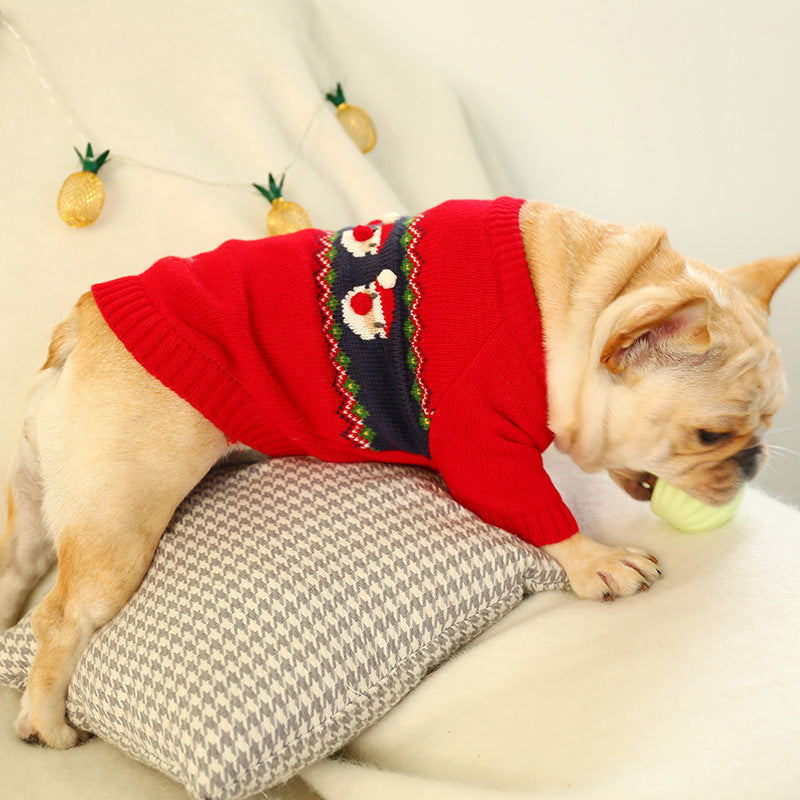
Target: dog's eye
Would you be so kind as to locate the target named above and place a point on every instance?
(713, 437)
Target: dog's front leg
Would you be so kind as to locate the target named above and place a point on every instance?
(598, 572)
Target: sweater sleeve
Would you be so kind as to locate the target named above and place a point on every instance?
(487, 438)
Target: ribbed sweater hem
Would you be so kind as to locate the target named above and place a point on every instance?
(165, 354)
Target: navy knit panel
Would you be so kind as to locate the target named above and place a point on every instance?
(368, 298)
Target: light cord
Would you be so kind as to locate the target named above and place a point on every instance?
(59, 103)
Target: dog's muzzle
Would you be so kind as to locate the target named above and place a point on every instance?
(639, 485)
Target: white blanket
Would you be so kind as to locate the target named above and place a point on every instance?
(688, 691)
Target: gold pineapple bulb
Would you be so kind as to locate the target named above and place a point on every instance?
(82, 194)
(356, 122)
(284, 216)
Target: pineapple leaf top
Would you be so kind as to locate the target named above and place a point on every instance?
(274, 191)
(89, 162)
(336, 96)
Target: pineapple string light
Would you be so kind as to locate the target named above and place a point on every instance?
(82, 194)
(356, 122)
(284, 216)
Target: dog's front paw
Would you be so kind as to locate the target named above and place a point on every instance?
(598, 572)
(619, 573)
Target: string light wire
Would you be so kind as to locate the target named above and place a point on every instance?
(60, 104)
(38, 71)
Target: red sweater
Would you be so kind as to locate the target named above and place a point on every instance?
(414, 341)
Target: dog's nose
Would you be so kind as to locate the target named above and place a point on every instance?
(748, 461)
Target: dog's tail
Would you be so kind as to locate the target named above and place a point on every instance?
(65, 337)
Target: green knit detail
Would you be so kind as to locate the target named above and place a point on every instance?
(410, 299)
(352, 386)
(413, 361)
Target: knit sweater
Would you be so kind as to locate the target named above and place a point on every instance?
(415, 340)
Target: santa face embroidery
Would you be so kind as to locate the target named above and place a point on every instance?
(369, 310)
(369, 298)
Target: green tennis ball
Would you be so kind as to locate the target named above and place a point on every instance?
(687, 514)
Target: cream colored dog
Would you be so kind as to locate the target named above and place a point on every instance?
(656, 365)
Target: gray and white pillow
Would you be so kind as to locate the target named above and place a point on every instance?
(289, 606)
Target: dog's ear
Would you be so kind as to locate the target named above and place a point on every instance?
(759, 279)
(657, 329)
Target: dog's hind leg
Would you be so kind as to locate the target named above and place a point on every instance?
(118, 452)
(101, 563)
(26, 551)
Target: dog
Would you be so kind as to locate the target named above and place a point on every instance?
(465, 338)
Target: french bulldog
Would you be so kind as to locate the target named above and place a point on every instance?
(465, 338)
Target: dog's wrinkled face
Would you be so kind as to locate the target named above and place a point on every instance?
(697, 419)
(695, 383)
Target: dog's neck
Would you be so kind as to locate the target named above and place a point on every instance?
(578, 267)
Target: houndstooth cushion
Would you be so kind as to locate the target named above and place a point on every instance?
(290, 604)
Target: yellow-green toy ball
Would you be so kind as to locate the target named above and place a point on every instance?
(687, 514)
